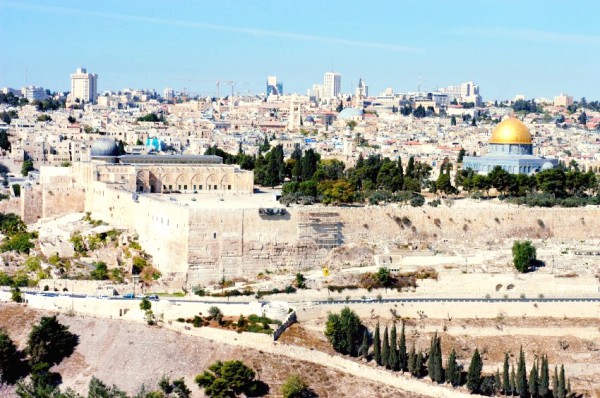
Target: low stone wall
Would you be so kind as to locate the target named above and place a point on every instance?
(458, 310)
(289, 321)
(130, 309)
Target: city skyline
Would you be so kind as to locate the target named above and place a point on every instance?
(399, 46)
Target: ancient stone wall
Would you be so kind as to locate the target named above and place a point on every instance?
(31, 203)
(162, 227)
(479, 224)
(59, 201)
(209, 243)
(10, 205)
(240, 242)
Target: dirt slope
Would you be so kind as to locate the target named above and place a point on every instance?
(129, 355)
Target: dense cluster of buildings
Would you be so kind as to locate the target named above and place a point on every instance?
(335, 124)
(150, 173)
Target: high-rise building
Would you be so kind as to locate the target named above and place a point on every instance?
(332, 82)
(316, 92)
(274, 87)
(34, 93)
(169, 94)
(466, 92)
(84, 85)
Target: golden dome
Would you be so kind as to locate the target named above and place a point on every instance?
(511, 131)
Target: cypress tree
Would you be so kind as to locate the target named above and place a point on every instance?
(410, 168)
(385, 349)
(394, 364)
(513, 381)
(544, 386)
(562, 387)
(364, 346)
(412, 360)
(402, 355)
(432, 357)
(555, 383)
(437, 362)
(497, 382)
(400, 168)
(474, 374)
(533, 381)
(506, 377)
(522, 376)
(452, 370)
(377, 346)
(419, 365)
(350, 345)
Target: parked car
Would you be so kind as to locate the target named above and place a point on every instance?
(129, 296)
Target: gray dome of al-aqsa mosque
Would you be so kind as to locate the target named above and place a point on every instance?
(104, 147)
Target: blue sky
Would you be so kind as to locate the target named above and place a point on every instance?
(535, 48)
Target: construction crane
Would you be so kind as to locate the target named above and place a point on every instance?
(190, 81)
(229, 82)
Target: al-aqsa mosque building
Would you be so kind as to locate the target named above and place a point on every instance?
(511, 147)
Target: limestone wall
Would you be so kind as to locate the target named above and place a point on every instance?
(10, 205)
(31, 204)
(59, 201)
(162, 227)
(473, 223)
(242, 242)
(208, 243)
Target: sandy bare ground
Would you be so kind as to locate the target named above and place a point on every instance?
(130, 355)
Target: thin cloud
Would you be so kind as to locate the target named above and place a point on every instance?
(222, 28)
(532, 35)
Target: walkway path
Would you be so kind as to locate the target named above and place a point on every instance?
(265, 343)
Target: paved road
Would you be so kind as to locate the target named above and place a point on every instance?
(458, 300)
(351, 301)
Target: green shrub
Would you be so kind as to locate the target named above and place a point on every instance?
(19, 242)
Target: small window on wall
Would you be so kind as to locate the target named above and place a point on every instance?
(215, 235)
(229, 187)
(170, 187)
(200, 187)
(215, 187)
(185, 187)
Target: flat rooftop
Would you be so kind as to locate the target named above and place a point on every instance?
(170, 159)
(261, 199)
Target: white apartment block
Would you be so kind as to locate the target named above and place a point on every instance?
(466, 92)
(331, 85)
(84, 85)
(34, 93)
